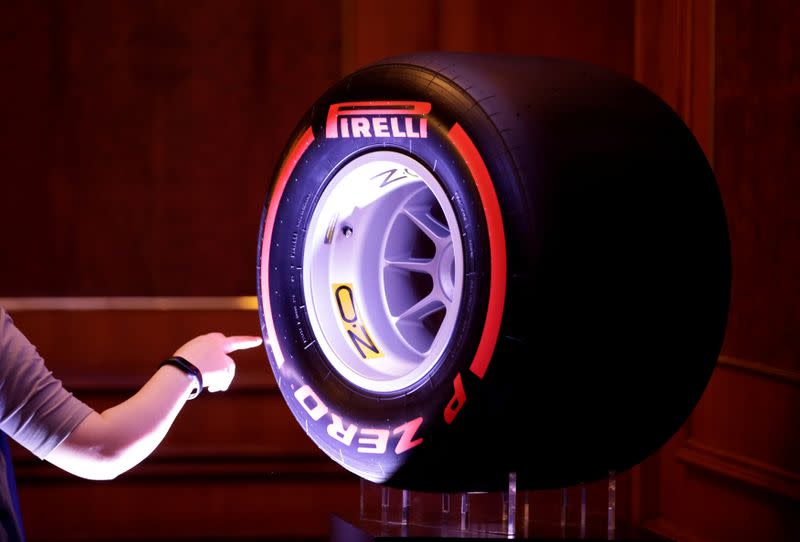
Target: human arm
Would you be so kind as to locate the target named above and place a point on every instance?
(107, 444)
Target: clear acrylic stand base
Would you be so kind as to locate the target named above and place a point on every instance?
(585, 512)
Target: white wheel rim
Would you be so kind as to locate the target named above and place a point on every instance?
(383, 271)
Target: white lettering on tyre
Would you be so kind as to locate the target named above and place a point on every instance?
(371, 440)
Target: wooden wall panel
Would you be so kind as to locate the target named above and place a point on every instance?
(120, 347)
(758, 116)
(732, 472)
(194, 509)
(600, 32)
(376, 29)
(140, 137)
(748, 418)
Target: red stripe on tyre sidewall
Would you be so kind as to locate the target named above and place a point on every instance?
(293, 157)
(497, 247)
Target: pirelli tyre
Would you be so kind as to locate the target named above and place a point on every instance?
(472, 265)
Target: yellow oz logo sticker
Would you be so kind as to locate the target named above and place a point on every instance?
(355, 329)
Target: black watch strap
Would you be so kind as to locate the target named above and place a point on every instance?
(188, 368)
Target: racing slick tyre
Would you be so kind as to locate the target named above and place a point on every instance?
(471, 265)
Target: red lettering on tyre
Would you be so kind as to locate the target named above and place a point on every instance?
(377, 119)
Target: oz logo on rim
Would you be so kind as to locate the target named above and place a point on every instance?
(383, 271)
(353, 328)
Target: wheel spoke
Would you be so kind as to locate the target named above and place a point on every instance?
(422, 308)
(417, 265)
(435, 230)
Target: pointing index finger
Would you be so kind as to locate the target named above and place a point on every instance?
(241, 342)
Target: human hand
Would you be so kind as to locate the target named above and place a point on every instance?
(209, 353)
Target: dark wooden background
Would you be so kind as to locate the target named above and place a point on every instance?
(137, 140)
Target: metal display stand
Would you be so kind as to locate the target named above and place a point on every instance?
(392, 514)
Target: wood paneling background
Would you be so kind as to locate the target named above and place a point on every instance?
(138, 139)
(730, 68)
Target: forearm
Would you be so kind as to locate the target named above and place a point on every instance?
(105, 445)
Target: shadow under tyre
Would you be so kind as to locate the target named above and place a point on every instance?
(471, 265)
